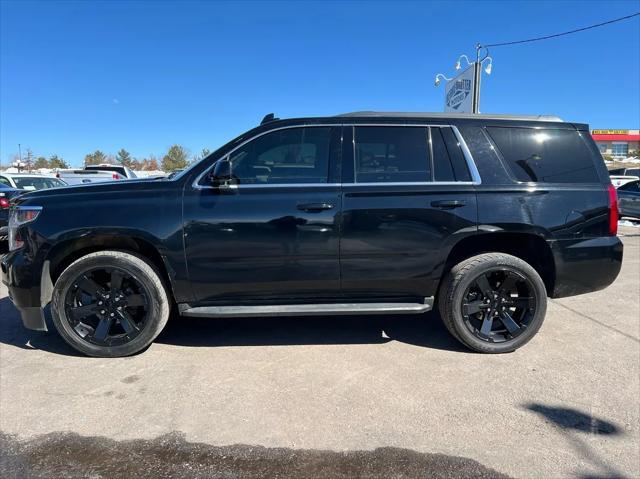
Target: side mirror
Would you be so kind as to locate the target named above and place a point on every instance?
(221, 173)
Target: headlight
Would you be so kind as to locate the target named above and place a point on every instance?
(18, 216)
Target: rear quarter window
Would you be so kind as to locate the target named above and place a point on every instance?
(545, 155)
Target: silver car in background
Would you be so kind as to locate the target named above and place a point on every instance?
(30, 181)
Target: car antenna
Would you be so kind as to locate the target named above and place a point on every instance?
(268, 117)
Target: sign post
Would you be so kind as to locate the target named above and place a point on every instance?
(462, 92)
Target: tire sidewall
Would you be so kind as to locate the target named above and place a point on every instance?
(505, 262)
(158, 303)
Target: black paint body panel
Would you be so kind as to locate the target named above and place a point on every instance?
(254, 245)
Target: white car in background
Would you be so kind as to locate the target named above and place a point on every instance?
(123, 171)
(622, 176)
(30, 181)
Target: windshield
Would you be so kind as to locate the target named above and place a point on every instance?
(37, 183)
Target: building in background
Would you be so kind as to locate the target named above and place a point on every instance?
(617, 143)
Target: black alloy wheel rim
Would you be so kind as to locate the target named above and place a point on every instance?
(107, 306)
(499, 305)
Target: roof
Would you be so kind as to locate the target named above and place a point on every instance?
(402, 114)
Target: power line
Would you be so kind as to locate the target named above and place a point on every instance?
(563, 33)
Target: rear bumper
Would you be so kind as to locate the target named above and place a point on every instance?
(23, 281)
(584, 266)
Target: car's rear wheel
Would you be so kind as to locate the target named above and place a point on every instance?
(109, 304)
(493, 302)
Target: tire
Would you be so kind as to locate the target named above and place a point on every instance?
(142, 304)
(461, 293)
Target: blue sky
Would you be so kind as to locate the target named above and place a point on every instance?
(80, 76)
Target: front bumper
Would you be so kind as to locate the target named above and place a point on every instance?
(23, 280)
(584, 266)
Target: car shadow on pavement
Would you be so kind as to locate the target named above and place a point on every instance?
(13, 333)
(572, 424)
(421, 330)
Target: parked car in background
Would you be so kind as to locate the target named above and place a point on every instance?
(123, 171)
(81, 176)
(619, 180)
(629, 199)
(621, 176)
(6, 194)
(30, 181)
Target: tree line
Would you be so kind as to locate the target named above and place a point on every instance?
(31, 161)
(176, 158)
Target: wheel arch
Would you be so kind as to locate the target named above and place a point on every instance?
(62, 254)
(529, 247)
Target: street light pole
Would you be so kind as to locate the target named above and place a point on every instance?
(475, 108)
(477, 75)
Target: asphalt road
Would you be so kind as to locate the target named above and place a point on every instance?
(333, 397)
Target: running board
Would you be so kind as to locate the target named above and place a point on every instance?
(322, 309)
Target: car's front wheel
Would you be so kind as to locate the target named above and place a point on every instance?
(109, 304)
(493, 302)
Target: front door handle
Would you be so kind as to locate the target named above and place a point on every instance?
(314, 206)
(448, 204)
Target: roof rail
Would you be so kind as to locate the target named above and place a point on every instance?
(451, 115)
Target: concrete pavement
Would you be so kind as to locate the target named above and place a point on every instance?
(333, 397)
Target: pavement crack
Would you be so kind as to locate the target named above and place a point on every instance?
(585, 316)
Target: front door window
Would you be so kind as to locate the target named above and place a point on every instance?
(288, 156)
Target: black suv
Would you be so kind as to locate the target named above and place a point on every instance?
(362, 213)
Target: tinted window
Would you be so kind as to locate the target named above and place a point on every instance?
(631, 186)
(292, 155)
(545, 156)
(4, 181)
(391, 154)
(449, 163)
(118, 169)
(443, 169)
(633, 172)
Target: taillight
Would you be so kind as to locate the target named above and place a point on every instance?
(4, 203)
(115, 176)
(613, 210)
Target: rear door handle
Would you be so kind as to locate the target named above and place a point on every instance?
(314, 206)
(448, 204)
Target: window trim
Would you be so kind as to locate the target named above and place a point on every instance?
(473, 170)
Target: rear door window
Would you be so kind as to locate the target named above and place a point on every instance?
(389, 154)
(545, 155)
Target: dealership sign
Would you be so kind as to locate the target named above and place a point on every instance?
(610, 132)
(459, 93)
